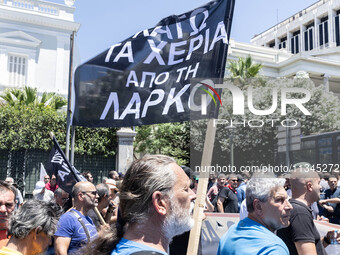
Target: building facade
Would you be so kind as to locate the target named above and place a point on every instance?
(307, 41)
(35, 44)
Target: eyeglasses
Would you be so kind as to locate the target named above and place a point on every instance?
(92, 192)
(46, 178)
(234, 180)
(65, 199)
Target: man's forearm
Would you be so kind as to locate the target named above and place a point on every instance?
(220, 208)
(334, 200)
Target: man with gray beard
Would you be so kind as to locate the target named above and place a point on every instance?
(155, 205)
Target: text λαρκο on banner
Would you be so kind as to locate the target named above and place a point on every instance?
(163, 74)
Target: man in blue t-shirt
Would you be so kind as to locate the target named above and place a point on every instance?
(331, 201)
(75, 228)
(268, 210)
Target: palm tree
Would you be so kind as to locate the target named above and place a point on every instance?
(243, 68)
(29, 96)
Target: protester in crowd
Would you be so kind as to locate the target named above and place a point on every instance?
(31, 228)
(191, 176)
(212, 180)
(179, 243)
(324, 177)
(121, 176)
(104, 179)
(331, 201)
(111, 182)
(52, 185)
(46, 179)
(104, 206)
(114, 201)
(61, 197)
(114, 175)
(302, 237)
(215, 189)
(243, 210)
(117, 177)
(227, 201)
(41, 193)
(113, 190)
(75, 228)
(88, 176)
(268, 210)
(7, 206)
(241, 189)
(19, 200)
(155, 205)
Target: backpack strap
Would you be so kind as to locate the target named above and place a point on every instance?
(83, 224)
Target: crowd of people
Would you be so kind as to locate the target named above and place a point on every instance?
(150, 209)
(277, 214)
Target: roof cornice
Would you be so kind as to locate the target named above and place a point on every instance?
(47, 22)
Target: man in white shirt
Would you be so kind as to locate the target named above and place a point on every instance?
(41, 193)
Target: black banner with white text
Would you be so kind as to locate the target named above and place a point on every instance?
(163, 74)
(58, 165)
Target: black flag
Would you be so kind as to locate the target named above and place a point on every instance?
(159, 74)
(66, 174)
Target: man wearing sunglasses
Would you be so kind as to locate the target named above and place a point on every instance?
(227, 199)
(61, 197)
(75, 228)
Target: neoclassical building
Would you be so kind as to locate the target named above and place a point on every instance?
(307, 41)
(35, 44)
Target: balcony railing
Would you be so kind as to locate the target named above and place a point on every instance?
(40, 7)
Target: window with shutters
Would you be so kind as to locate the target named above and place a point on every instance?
(337, 28)
(323, 32)
(283, 43)
(17, 69)
(295, 42)
(308, 37)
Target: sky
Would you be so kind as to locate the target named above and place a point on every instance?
(106, 22)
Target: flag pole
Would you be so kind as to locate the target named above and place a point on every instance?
(69, 110)
(208, 147)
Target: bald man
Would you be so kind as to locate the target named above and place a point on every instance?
(302, 237)
(75, 228)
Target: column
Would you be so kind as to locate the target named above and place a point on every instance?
(124, 158)
(289, 36)
(326, 81)
(316, 30)
(331, 27)
(61, 82)
(302, 35)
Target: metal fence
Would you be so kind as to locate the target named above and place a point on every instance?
(24, 167)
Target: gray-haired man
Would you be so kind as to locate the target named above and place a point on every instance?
(32, 227)
(268, 210)
(7, 205)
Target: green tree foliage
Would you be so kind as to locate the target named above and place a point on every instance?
(28, 127)
(90, 141)
(257, 145)
(29, 96)
(26, 120)
(172, 139)
(243, 68)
